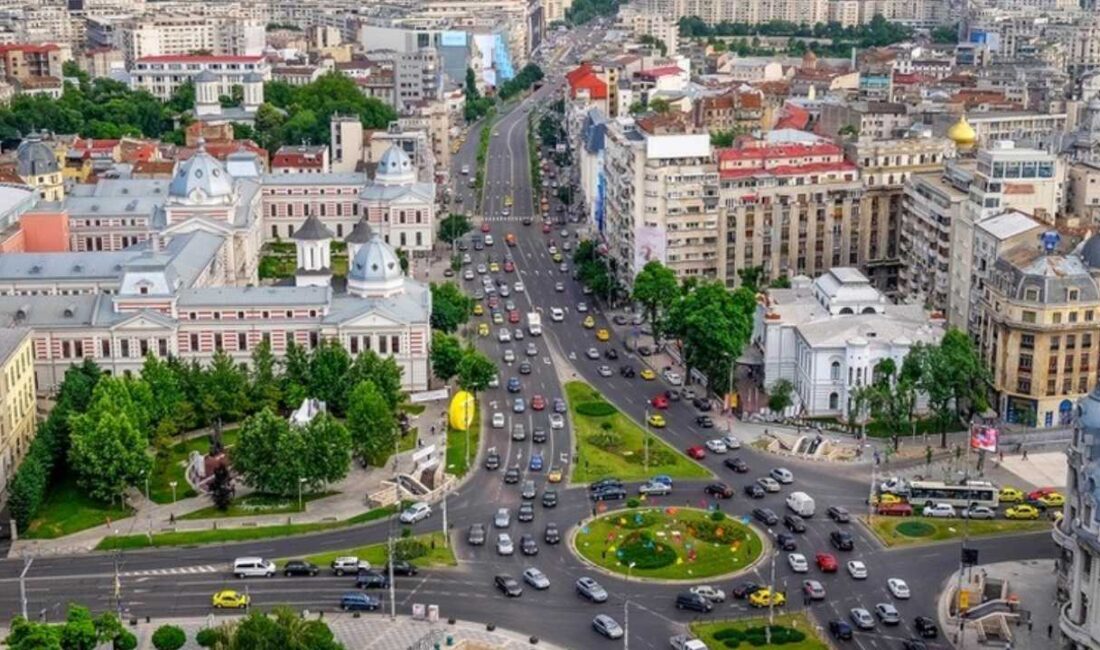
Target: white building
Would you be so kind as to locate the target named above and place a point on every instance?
(827, 335)
(162, 75)
(158, 35)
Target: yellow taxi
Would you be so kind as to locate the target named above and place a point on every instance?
(555, 475)
(1051, 500)
(885, 499)
(229, 598)
(494, 267)
(648, 374)
(656, 420)
(508, 201)
(478, 309)
(483, 329)
(765, 597)
(557, 258)
(588, 322)
(603, 335)
(1009, 494)
(1022, 511)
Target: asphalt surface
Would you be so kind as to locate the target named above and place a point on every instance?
(179, 582)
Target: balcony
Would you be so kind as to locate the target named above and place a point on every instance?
(1061, 537)
(1077, 633)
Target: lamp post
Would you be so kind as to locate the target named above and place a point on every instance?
(645, 440)
(301, 482)
(173, 485)
(145, 475)
(626, 612)
(771, 599)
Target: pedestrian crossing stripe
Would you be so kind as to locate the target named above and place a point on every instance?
(187, 570)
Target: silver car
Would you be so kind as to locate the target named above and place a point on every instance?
(503, 518)
(607, 626)
(504, 544)
(536, 578)
(862, 618)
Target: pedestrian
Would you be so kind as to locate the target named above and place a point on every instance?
(172, 518)
(1025, 455)
(1050, 631)
(1030, 624)
(1001, 455)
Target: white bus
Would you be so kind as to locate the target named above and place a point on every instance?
(925, 493)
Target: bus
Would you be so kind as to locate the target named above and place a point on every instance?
(925, 493)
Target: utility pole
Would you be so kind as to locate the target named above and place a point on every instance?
(118, 587)
(771, 600)
(446, 537)
(966, 539)
(393, 516)
(23, 584)
(645, 440)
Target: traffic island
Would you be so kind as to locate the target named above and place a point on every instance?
(668, 544)
(788, 631)
(427, 550)
(910, 531)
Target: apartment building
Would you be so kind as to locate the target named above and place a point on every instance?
(186, 33)
(1029, 128)
(1083, 190)
(162, 75)
(659, 26)
(863, 119)
(17, 401)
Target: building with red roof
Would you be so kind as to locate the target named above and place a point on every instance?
(300, 159)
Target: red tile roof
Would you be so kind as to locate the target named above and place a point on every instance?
(793, 116)
(773, 151)
(583, 78)
(299, 157)
(39, 48)
(663, 71)
(789, 170)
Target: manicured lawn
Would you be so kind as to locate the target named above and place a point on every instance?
(219, 536)
(174, 467)
(437, 553)
(68, 509)
(905, 531)
(613, 444)
(671, 544)
(706, 631)
(256, 504)
(457, 443)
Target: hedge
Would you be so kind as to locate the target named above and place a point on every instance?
(596, 409)
(169, 637)
(757, 636)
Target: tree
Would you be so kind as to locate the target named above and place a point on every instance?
(848, 131)
(780, 396)
(295, 380)
(475, 371)
(168, 410)
(968, 377)
(446, 354)
(328, 366)
(382, 371)
(222, 489)
(371, 423)
(782, 282)
(108, 441)
(454, 227)
(268, 455)
(450, 307)
(80, 631)
(713, 325)
(660, 105)
(169, 637)
(226, 396)
(636, 107)
(656, 289)
(283, 629)
(892, 398)
(263, 380)
(750, 277)
(720, 138)
(327, 451)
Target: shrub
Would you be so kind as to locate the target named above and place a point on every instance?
(169, 637)
(606, 440)
(632, 503)
(598, 409)
(645, 552)
(207, 637)
(409, 549)
(406, 532)
(756, 636)
(717, 515)
(124, 641)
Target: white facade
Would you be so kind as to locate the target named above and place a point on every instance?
(162, 75)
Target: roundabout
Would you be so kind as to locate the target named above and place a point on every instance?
(668, 544)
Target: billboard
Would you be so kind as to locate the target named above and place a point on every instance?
(452, 39)
(649, 244)
(984, 438)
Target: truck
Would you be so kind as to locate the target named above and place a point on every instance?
(534, 323)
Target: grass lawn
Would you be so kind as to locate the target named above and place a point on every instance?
(67, 509)
(256, 504)
(174, 467)
(904, 531)
(456, 446)
(683, 545)
(613, 445)
(706, 631)
(438, 553)
(219, 536)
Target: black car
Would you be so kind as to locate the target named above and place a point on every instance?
(609, 493)
(840, 630)
(492, 461)
(508, 586)
(925, 627)
(794, 523)
(512, 475)
(538, 435)
(694, 602)
(525, 368)
(626, 370)
(551, 535)
(754, 491)
(841, 540)
(838, 514)
(604, 483)
(704, 421)
(785, 542)
(766, 516)
(914, 644)
(549, 498)
(611, 353)
(736, 464)
(672, 395)
(701, 403)
(299, 568)
(528, 545)
(745, 589)
(402, 568)
(526, 512)
(645, 350)
(372, 580)
(718, 490)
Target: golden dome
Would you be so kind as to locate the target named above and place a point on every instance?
(962, 133)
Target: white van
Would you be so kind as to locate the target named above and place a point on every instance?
(253, 567)
(801, 503)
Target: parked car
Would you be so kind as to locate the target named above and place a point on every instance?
(348, 564)
(299, 568)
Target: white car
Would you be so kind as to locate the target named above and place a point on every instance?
(942, 510)
(731, 442)
(857, 569)
(557, 421)
(717, 446)
(504, 544)
(557, 314)
(415, 513)
(503, 518)
(494, 382)
(673, 377)
(592, 353)
(768, 483)
(783, 475)
(536, 578)
(898, 587)
(604, 370)
(582, 307)
(518, 286)
(655, 487)
(488, 240)
(509, 355)
(713, 594)
(798, 562)
(498, 420)
(504, 335)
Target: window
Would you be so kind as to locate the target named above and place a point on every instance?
(124, 348)
(1028, 316)
(834, 371)
(105, 348)
(1023, 386)
(1025, 363)
(1086, 340)
(1055, 342)
(382, 345)
(834, 401)
(194, 342)
(218, 342)
(1027, 342)
(1071, 341)
(242, 341)
(313, 340)
(395, 344)
(162, 347)
(143, 347)
(1055, 318)
(353, 345)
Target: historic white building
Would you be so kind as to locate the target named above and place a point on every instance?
(827, 335)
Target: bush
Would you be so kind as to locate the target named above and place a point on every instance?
(169, 637)
(606, 440)
(207, 637)
(633, 503)
(596, 409)
(757, 636)
(645, 552)
(124, 641)
(717, 515)
(409, 549)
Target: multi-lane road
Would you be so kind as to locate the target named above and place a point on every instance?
(179, 582)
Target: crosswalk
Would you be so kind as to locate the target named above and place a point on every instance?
(497, 217)
(185, 570)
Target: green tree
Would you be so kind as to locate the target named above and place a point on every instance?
(782, 282)
(222, 489)
(327, 451)
(168, 408)
(295, 381)
(80, 631)
(475, 371)
(169, 637)
(372, 424)
(713, 325)
(382, 371)
(660, 105)
(720, 138)
(450, 307)
(107, 444)
(453, 227)
(226, 386)
(446, 355)
(263, 380)
(636, 108)
(328, 366)
(268, 454)
(780, 397)
(655, 288)
(893, 397)
(750, 277)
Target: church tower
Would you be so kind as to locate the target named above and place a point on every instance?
(313, 242)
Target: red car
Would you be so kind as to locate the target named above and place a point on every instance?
(485, 226)
(509, 267)
(697, 452)
(513, 316)
(895, 510)
(538, 403)
(659, 402)
(545, 228)
(1035, 495)
(826, 562)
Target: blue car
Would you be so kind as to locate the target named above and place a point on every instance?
(662, 478)
(514, 385)
(355, 601)
(536, 463)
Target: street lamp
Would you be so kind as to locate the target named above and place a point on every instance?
(173, 485)
(145, 474)
(645, 440)
(301, 482)
(626, 612)
(772, 595)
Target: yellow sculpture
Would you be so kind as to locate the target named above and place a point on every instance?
(461, 412)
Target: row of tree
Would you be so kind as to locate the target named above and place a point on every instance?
(80, 631)
(595, 270)
(527, 77)
(583, 11)
(877, 33)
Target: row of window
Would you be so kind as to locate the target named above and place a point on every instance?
(222, 341)
(1023, 386)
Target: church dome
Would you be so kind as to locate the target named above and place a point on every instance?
(35, 158)
(962, 134)
(201, 179)
(375, 271)
(395, 167)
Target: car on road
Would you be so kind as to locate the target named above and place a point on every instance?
(229, 598)
(355, 601)
(857, 569)
(1022, 511)
(766, 597)
(503, 518)
(798, 563)
(648, 374)
(656, 420)
(483, 329)
(673, 377)
(498, 420)
(731, 442)
(718, 490)
(840, 630)
(978, 512)
(557, 314)
(716, 446)
(348, 564)
(557, 421)
(511, 475)
(745, 589)
(704, 421)
(508, 586)
(611, 353)
(610, 481)
(504, 335)
(536, 578)
(711, 593)
(519, 405)
(549, 498)
(1050, 500)
(591, 590)
(551, 534)
(898, 588)
(476, 535)
(604, 370)
(592, 353)
(826, 562)
(794, 523)
(939, 510)
(300, 568)
(888, 614)
(582, 307)
(766, 516)
(588, 322)
(526, 512)
(786, 542)
(607, 627)
(754, 491)
(559, 405)
(415, 513)
(538, 402)
(696, 452)
(525, 368)
(555, 474)
(626, 371)
(694, 602)
(528, 545)
(528, 491)
(1009, 494)
(701, 403)
(862, 618)
(914, 644)
(813, 590)
(504, 544)
(842, 540)
(514, 385)
(654, 487)
(372, 580)
(925, 627)
(768, 483)
(736, 464)
(783, 475)
(659, 402)
(559, 287)
(603, 335)
(609, 493)
(838, 514)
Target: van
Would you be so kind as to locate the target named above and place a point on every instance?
(253, 567)
(801, 504)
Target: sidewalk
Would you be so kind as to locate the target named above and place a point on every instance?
(1032, 582)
